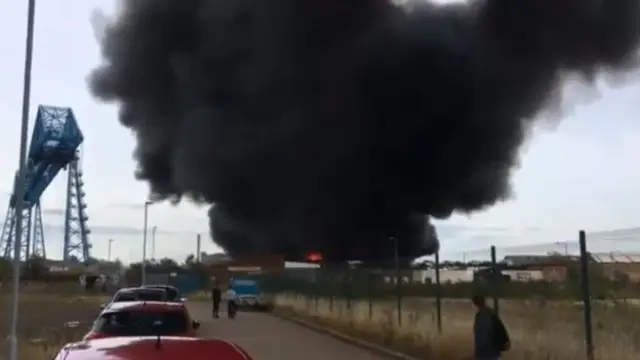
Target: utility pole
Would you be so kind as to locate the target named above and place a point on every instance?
(19, 189)
(198, 251)
(143, 280)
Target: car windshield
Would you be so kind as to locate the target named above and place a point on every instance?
(142, 323)
(172, 294)
(140, 295)
(121, 297)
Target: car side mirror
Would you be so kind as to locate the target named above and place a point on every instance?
(195, 324)
(102, 306)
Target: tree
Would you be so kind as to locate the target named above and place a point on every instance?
(35, 269)
(118, 263)
(166, 264)
(189, 261)
(92, 261)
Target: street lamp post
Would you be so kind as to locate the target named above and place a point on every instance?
(153, 242)
(19, 188)
(144, 244)
(109, 250)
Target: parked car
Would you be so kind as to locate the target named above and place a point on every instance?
(144, 318)
(257, 303)
(136, 294)
(152, 347)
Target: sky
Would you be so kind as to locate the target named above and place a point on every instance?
(580, 173)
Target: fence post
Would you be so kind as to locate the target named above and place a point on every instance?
(438, 294)
(370, 293)
(398, 284)
(331, 288)
(399, 300)
(496, 278)
(317, 277)
(346, 286)
(586, 296)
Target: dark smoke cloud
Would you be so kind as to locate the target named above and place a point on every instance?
(333, 125)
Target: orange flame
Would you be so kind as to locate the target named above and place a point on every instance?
(314, 257)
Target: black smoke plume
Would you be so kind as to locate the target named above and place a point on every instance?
(335, 125)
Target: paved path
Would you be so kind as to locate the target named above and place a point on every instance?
(266, 337)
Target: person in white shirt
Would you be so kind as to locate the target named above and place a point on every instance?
(231, 296)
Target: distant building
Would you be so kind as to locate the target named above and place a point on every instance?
(525, 275)
(551, 267)
(525, 260)
(446, 276)
(619, 264)
(224, 267)
(214, 259)
(59, 266)
(536, 260)
(555, 272)
(554, 267)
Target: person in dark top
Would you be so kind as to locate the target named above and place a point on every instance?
(216, 295)
(490, 335)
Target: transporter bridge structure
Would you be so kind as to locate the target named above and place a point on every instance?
(54, 146)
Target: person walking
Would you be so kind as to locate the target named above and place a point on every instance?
(216, 297)
(231, 297)
(490, 335)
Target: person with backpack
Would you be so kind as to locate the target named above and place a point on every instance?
(490, 335)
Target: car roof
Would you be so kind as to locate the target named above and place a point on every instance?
(150, 306)
(139, 289)
(159, 286)
(147, 347)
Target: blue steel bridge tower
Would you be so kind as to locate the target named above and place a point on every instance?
(54, 146)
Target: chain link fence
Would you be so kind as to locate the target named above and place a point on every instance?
(557, 299)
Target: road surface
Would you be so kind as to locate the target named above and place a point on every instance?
(266, 337)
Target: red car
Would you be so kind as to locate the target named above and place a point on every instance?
(152, 348)
(144, 318)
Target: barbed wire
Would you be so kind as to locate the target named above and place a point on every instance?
(617, 241)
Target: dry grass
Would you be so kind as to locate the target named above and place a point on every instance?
(50, 316)
(539, 330)
(199, 296)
